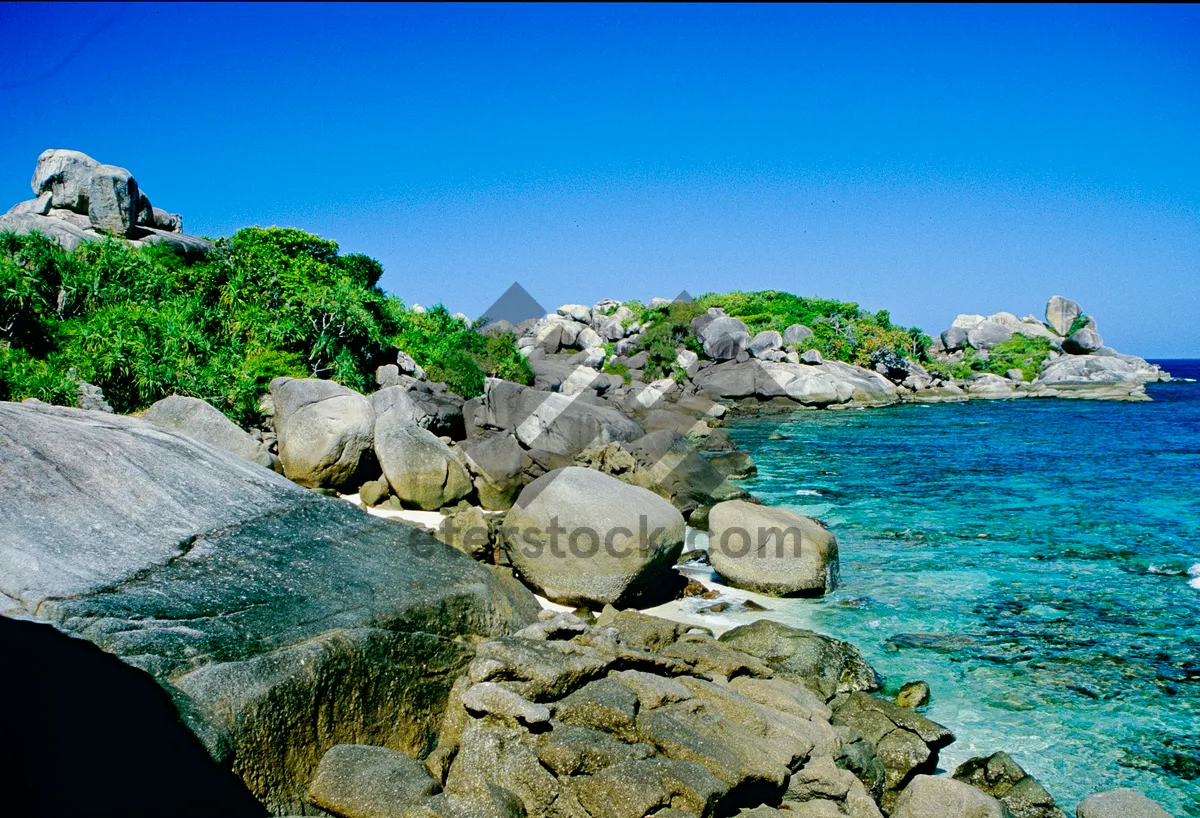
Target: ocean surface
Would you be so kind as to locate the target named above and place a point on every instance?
(1037, 562)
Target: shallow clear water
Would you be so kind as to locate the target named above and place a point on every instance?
(1030, 560)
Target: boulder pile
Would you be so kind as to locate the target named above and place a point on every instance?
(77, 199)
(1079, 365)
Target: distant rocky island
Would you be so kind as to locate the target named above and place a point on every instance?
(416, 589)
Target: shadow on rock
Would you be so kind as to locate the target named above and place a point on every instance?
(84, 733)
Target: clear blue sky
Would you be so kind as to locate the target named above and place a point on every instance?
(931, 160)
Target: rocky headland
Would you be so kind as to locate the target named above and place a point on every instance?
(401, 601)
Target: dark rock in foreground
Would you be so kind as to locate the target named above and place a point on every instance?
(281, 623)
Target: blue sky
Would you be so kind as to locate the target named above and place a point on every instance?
(925, 159)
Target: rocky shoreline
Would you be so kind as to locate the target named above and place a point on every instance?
(345, 664)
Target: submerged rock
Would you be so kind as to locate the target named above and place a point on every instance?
(1120, 803)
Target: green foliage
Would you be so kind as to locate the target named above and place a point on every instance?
(611, 368)
(1019, 352)
(141, 323)
(669, 327)
(841, 329)
(1079, 323)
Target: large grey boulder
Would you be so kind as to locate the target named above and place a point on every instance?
(765, 342)
(66, 176)
(1082, 342)
(562, 424)
(204, 422)
(724, 338)
(954, 338)
(771, 550)
(325, 432)
(496, 466)
(580, 537)
(281, 622)
(1119, 803)
(418, 403)
(676, 470)
(988, 333)
(940, 797)
(796, 334)
(1061, 314)
(820, 384)
(421, 469)
(826, 665)
(112, 200)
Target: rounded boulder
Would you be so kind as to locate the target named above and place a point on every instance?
(421, 469)
(324, 432)
(580, 537)
(772, 550)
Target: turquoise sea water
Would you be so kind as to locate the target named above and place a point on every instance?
(1030, 560)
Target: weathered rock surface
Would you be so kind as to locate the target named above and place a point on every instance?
(828, 666)
(325, 432)
(939, 797)
(648, 719)
(420, 468)
(905, 742)
(1002, 778)
(830, 382)
(281, 622)
(771, 550)
(204, 422)
(582, 537)
(361, 781)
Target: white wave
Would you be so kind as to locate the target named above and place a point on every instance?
(1165, 570)
(808, 493)
(1194, 573)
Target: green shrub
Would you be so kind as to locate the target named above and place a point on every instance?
(141, 323)
(611, 368)
(841, 329)
(1079, 323)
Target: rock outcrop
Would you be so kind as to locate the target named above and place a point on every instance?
(281, 623)
(78, 199)
(1077, 366)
